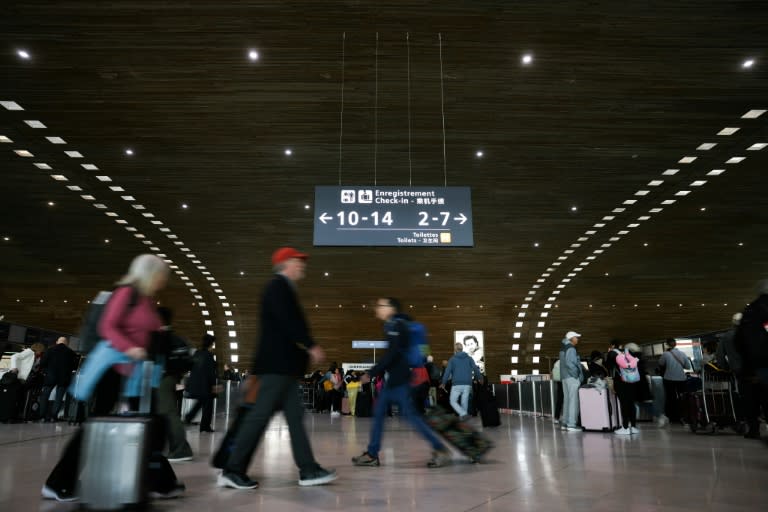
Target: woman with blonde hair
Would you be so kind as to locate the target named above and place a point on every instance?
(126, 325)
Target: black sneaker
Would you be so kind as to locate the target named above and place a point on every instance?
(236, 481)
(317, 476)
(63, 496)
(366, 459)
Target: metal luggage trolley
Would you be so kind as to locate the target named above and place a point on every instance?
(307, 395)
(716, 405)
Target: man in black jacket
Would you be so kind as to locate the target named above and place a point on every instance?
(279, 362)
(58, 363)
(751, 340)
(397, 388)
(201, 385)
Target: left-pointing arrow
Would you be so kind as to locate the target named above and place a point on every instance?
(325, 218)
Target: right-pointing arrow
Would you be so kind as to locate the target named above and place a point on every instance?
(461, 218)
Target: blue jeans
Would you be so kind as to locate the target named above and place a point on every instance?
(460, 398)
(571, 401)
(400, 395)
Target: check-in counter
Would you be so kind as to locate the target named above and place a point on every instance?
(528, 397)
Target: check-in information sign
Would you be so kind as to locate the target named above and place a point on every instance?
(393, 216)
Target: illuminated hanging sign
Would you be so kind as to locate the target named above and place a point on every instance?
(393, 216)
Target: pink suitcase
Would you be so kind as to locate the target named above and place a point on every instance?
(599, 409)
(345, 405)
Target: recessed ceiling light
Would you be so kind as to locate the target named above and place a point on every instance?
(703, 209)
(58, 269)
(687, 160)
(100, 206)
(128, 198)
(682, 193)
(735, 159)
(24, 54)
(5, 139)
(73, 154)
(426, 274)
(306, 207)
(748, 63)
(51, 203)
(630, 201)
(535, 244)
(184, 206)
(670, 172)
(59, 177)
(129, 152)
(642, 192)
(655, 210)
(752, 114)
(32, 123)
(698, 183)
(655, 183)
(728, 131)
(103, 178)
(527, 59)
(56, 140)
(669, 201)
(645, 244)
(7, 239)
(757, 146)
(288, 152)
(741, 244)
(253, 55)
(138, 206)
(106, 240)
(89, 167)
(23, 153)
(11, 105)
(706, 146)
(618, 210)
(479, 154)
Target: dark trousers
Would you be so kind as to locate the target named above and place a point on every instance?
(335, 396)
(754, 396)
(167, 408)
(420, 395)
(276, 392)
(628, 394)
(558, 399)
(674, 390)
(206, 404)
(64, 476)
(45, 393)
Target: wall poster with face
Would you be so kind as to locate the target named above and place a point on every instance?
(473, 345)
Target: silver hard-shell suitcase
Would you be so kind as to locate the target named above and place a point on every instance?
(115, 456)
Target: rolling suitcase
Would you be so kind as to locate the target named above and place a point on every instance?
(10, 387)
(467, 440)
(364, 402)
(345, 405)
(115, 456)
(599, 409)
(489, 410)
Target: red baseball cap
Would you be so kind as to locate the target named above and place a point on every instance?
(286, 253)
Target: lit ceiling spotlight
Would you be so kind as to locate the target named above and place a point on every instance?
(426, 274)
(184, 206)
(645, 244)
(510, 274)
(51, 203)
(288, 152)
(535, 244)
(306, 207)
(748, 63)
(607, 274)
(574, 209)
(741, 244)
(6, 239)
(129, 152)
(703, 209)
(58, 269)
(106, 240)
(242, 273)
(527, 59)
(479, 154)
(253, 55)
(326, 274)
(24, 54)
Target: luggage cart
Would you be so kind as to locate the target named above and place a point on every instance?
(713, 407)
(307, 395)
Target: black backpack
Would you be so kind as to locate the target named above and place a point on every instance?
(89, 333)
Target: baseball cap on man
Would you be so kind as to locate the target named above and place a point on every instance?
(572, 334)
(285, 254)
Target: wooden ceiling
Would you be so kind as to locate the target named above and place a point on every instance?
(615, 95)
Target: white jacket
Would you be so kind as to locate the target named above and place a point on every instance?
(23, 361)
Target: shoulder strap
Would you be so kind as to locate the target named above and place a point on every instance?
(677, 358)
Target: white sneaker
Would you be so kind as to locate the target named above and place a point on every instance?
(634, 430)
(662, 422)
(623, 432)
(335, 414)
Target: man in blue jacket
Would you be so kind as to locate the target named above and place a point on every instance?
(461, 370)
(571, 375)
(397, 388)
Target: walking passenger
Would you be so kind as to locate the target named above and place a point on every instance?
(397, 388)
(279, 363)
(672, 365)
(461, 371)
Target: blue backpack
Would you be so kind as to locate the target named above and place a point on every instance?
(418, 346)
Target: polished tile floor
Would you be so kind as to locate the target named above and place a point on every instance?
(534, 466)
